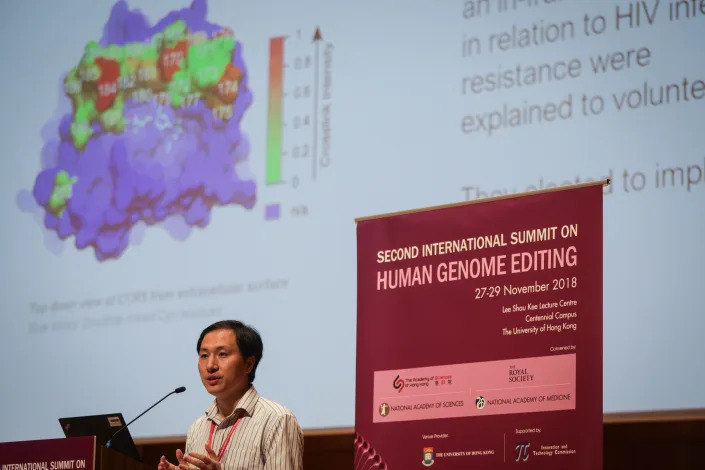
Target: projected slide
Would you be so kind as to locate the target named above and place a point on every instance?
(154, 134)
(168, 164)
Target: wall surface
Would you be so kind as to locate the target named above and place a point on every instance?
(644, 443)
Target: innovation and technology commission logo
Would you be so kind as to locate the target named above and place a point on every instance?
(522, 449)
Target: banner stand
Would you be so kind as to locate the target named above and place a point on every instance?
(479, 333)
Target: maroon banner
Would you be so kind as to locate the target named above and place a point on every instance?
(74, 453)
(479, 335)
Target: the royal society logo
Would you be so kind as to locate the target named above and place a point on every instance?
(398, 384)
(480, 402)
(427, 456)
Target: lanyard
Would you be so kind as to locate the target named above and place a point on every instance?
(221, 452)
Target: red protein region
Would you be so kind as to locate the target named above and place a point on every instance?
(107, 82)
(170, 60)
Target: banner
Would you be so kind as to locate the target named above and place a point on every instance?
(72, 453)
(479, 334)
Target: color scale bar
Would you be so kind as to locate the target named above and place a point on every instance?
(274, 115)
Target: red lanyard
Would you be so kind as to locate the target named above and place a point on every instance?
(221, 452)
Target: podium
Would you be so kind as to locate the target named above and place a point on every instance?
(71, 453)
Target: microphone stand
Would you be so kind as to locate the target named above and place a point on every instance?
(178, 390)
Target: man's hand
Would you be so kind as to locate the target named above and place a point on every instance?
(209, 461)
(164, 464)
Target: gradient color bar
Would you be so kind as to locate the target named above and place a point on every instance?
(274, 114)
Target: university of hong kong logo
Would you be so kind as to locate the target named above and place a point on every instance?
(480, 402)
(398, 384)
(522, 449)
(427, 456)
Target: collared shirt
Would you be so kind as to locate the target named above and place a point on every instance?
(268, 437)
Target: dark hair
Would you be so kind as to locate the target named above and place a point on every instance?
(247, 338)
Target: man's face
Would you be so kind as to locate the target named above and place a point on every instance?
(224, 372)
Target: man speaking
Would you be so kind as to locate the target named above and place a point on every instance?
(240, 430)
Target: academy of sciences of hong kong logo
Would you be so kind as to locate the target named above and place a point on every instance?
(398, 384)
(384, 409)
(427, 456)
(480, 402)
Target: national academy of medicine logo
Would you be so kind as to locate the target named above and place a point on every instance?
(480, 402)
(384, 409)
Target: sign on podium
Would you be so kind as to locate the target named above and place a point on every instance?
(72, 453)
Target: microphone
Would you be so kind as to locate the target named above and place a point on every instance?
(177, 390)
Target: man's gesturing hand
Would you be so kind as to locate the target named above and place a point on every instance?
(209, 461)
(164, 464)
